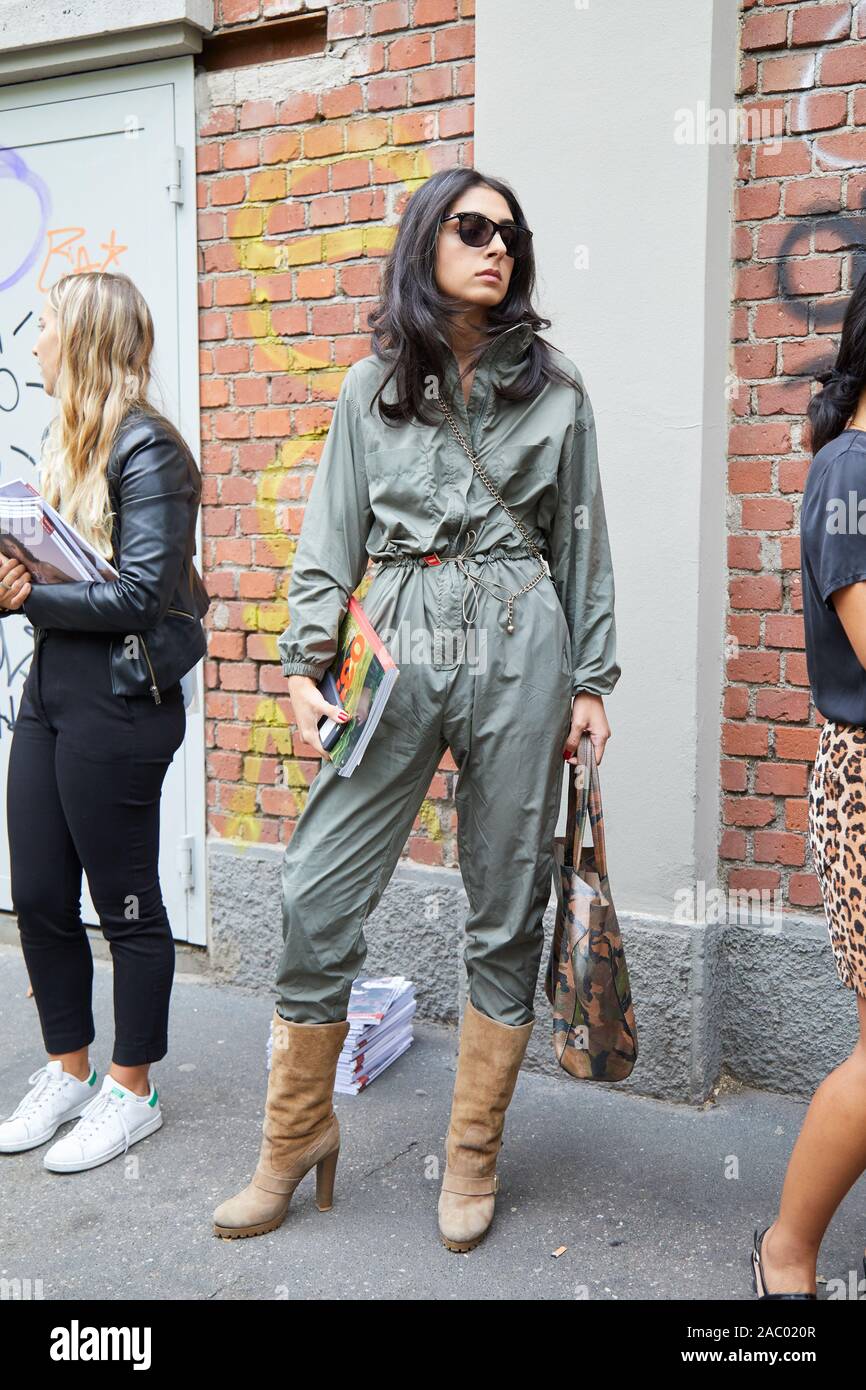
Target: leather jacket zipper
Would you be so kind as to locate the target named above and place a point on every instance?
(154, 689)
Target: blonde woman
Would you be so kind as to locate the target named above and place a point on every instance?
(102, 714)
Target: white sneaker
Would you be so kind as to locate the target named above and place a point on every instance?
(56, 1098)
(111, 1122)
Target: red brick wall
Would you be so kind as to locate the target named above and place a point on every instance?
(298, 200)
(796, 234)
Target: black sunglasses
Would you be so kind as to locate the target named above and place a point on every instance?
(477, 230)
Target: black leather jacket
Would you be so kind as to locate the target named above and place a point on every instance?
(156, 605)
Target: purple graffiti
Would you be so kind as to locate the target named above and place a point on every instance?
(12, 166)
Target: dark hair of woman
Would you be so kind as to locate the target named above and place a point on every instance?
(410, 324)
(830, 409)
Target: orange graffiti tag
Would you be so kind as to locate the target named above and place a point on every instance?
(61, 245)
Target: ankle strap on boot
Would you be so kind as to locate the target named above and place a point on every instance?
(469, 1186)
(282, 1184)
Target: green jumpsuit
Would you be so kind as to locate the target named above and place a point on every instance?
(500, 701)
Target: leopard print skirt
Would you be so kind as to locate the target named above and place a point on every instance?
(837, 835)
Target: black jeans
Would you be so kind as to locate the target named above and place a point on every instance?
(85, 776)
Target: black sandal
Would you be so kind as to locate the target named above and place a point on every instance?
(758, 1273)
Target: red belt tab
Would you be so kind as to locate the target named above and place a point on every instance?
(432, 560)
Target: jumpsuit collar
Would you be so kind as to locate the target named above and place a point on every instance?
(497, 362)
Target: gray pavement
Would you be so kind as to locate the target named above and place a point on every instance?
(650, 1199)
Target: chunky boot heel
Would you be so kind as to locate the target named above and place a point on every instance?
(326, 1170)
(300, 1130)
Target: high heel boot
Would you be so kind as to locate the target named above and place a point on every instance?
(488, 1062)
(300, 1129)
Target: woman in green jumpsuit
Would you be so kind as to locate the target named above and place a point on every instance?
(502, 660)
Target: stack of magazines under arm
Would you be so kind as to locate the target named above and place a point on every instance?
(49, 548)
(359, 681)
(380, 1030)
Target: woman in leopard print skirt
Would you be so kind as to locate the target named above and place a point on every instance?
(837, 834)
(830, 1153)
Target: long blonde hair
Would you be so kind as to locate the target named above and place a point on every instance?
(106, 337)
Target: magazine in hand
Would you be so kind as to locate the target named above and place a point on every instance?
(51, 550)
(364, 672)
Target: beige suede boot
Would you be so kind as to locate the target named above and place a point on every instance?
(300, 1129)
(487, 1066)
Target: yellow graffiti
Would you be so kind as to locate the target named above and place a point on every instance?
(318, 379)
(429, 817)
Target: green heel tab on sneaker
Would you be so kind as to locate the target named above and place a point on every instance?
(91, 1080)
(154, 1098)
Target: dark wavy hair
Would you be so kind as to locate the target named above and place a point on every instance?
(410, 323)
(830, 410)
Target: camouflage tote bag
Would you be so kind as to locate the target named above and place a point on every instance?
(587, 984)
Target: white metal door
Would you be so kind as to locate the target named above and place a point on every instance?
(98, 172)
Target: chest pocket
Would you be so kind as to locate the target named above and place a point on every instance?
(402, 488)
(521, 472)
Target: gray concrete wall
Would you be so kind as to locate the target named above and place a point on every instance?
(712, 1003)
(44, 38)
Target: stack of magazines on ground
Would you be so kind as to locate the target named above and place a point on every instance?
(380, 1030)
